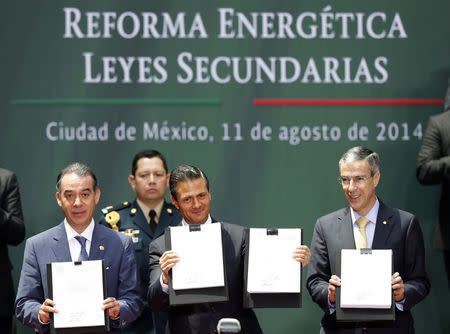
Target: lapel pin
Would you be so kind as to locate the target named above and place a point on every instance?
(169, 211)
(101, 247)
(384, 222)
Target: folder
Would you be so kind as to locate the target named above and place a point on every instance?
(359, 311)
(78, 289)
(272, 279)
(185, 241)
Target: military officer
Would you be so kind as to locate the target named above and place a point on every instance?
(143, 220)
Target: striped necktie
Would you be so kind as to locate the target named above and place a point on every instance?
(361, 240)
(83, 254)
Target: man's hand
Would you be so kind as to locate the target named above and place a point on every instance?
(112, 305)
(302, 255)
(167, 261)
(47, 307)
(398, 287)
(332, 284)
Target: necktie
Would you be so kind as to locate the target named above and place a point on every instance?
(361, 242)
(83, 254)
(152, 215)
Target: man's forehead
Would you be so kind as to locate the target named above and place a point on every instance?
(358, 166)
(150, 163)
(191, 187)
(73, 181)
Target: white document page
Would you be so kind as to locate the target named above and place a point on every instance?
(271, 268)
(366, 279)
(78, 294)
(201, 257)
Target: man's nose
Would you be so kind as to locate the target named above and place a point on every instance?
(151, 178)
(77, 201)
(196, 203)
(352, 184)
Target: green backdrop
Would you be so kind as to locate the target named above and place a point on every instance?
(208, 83)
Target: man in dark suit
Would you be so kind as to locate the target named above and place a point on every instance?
(144, 220)
(78, 194)
(387, 228)
(12, 232)
(189, 188)
(433, 167)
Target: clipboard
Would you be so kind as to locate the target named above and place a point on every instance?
(53, 276)
(196, 295)
(362, 314)
(268, 299)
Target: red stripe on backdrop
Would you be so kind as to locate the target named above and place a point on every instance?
(345, 102)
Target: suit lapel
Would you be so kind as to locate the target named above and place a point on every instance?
(60, 245)
(345, 230)
(383, 227)
(98, 244)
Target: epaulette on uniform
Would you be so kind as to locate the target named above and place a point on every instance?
(117, 207)
(112, 217)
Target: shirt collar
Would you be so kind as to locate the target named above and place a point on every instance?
(87, 233)
(146, 209)
(208, 221)
(372, 215)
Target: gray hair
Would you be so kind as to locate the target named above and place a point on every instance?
(79, 169)
(359, 153)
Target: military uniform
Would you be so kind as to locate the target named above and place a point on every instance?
(128, 218)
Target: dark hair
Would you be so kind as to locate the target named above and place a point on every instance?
(358, 153)
(79, 169)
(185, 173)
(147, 154)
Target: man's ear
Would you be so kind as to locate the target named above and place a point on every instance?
(174, 202)
(97, 195)
(58, 198)
(168, 179)
(132, 181)
(376, 178)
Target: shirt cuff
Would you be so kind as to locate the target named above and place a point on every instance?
(400, 305)
(331, 307)
(165, 287)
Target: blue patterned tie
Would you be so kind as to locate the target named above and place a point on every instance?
(83, 254)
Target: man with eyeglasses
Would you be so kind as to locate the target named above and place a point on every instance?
(386, 228)
(78, 238)
(145, 219)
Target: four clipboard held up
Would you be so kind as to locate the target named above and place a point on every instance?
(272, 278)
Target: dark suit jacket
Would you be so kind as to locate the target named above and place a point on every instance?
(203, 318)
(433, 166)
(12, 232)
(401, 233)
(122, 281)
(132, 217)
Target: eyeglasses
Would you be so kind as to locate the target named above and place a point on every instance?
(358, 180)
